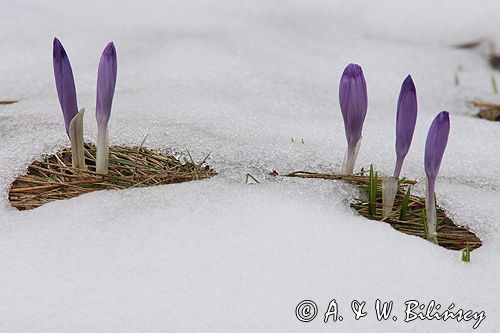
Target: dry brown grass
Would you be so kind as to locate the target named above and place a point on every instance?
(495, 60)
(6, 102)
(53, 178)
(450, 235)
(487, 110)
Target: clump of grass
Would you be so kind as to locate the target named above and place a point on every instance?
(408, 215)
(6, 102)
(469, 45)
(489, 111)
(495, 60)
(53, 178)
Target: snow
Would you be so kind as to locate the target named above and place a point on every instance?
(238, 80)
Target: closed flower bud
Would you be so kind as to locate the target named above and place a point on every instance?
(106, 81)
(353, 99)
(437, 138)
(65, 84)
(405, 122)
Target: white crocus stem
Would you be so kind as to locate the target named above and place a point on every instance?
(389, 190)
(350, 158)
(430, 208)
(102, 154)
(76, 138)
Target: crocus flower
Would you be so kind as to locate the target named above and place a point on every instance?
(405, 126)
(405, 121)
(66, 92)
(353, 99)
(65, 83)
(106, 81)
(437, 138)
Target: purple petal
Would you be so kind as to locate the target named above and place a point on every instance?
(106, 81)
(353, 99)
(65, 84)
(437, 138)
(405, 121)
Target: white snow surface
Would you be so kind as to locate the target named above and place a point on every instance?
(238, 79)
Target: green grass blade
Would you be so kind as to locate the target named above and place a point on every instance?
(372, 192)
(404, 205)
(466, 253)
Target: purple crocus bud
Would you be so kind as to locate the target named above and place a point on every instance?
(353, 99)
(437, 138)
(106, 80)
(405, 121)
(65, 84)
